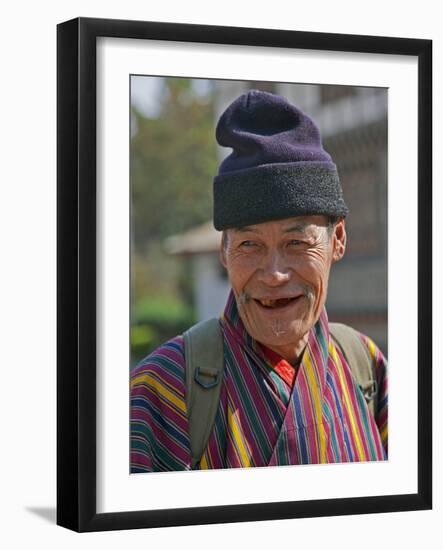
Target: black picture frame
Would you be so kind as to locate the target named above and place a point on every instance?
(76, 265)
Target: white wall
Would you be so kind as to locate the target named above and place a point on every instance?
(27, 289)
(210, 289)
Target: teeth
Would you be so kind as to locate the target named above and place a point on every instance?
(273, 303)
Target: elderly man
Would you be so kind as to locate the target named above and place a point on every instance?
(271, 382)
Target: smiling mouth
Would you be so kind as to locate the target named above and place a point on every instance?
(275, 304)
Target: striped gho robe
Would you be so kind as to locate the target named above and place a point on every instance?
(263, 418)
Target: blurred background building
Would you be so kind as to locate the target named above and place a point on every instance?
(353, 125)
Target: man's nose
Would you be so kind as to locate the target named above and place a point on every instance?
(274, 271)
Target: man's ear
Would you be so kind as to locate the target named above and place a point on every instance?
(339, 240)
(222, 256)
(222, 252)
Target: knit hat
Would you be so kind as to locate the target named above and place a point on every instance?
(278, 167)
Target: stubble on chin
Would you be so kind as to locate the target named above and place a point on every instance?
(243, 298)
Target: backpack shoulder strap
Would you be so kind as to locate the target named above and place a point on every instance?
(204, 370)
(359, 361)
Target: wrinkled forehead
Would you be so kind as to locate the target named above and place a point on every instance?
(298, 224)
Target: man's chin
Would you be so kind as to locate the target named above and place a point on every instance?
(280, 334)
(272, 328)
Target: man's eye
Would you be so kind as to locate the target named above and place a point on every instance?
(295, 242)
(247, 244)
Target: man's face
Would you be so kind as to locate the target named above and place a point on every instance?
(279, 273)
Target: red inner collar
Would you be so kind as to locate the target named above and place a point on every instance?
(282, 367)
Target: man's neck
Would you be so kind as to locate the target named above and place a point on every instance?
(292, 353)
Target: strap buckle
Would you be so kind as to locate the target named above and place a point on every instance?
(369, 390)
(201, 372)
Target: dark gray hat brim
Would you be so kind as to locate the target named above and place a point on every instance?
(277, 191)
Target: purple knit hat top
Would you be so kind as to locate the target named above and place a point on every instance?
(278, 167)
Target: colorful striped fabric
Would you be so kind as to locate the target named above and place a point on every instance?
(261, 420)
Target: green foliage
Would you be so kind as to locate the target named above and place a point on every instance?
(154, 321)
(173, 162)
(144, 339)
(142, 336)
(162, 311)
